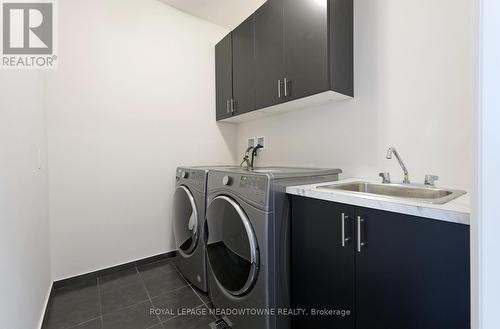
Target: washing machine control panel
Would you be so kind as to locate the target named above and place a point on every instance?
(253, 183)
(251, 187)
(226, 180)
(254, 188)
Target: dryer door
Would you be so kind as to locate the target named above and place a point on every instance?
(185, 221)
(232, 247)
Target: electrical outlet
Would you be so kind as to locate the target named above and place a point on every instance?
(261, 141)
(251, 142)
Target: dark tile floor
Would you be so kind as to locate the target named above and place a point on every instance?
(153, 296)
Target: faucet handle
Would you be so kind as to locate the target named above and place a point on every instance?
(245, 160)
(430, 179)
(386, 177)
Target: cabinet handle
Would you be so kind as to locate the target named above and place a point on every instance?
(360, 244)
(279, 88)
(233, 108)
(285, 84)
(344, 239)
(227, 106)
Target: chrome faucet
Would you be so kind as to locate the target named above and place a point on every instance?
(430, 180)
(386, 177)
(392, 151)
(254, 154)
(246, 158)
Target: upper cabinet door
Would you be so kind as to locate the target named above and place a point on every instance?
(223, 78)
(244, 67)
(306, 47)
(269, 54)
(341, 46)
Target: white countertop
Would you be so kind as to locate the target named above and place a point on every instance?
(455, 211)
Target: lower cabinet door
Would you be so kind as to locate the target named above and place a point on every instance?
(322, 264)
(411, 272)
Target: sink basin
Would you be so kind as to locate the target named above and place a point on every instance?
(417, 193)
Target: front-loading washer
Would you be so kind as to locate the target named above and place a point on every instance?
(247, 243)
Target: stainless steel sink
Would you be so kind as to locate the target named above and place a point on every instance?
(416, 193)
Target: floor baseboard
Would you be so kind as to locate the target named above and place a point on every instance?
(91, 275)
(47, 300)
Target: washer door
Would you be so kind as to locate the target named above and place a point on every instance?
(231, 246)
(185, 221)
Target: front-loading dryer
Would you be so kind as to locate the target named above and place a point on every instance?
(247, 240)
(188, 224)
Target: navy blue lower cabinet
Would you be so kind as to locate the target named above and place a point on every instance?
(393, 271)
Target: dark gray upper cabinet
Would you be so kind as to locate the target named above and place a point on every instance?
(306, 47)
(223, 78)
(244, 67)
(340, 47)
(269, 61)
(291, 49)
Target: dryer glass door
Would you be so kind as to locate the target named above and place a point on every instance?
(232, 248)
(185, 221)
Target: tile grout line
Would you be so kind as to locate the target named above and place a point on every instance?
(196, 293)
(169, 291)
(100, 301)
(156, 326)
(147, 292)
(149, 298)
(190, 286)
(127, 307)
(84, 322)
(134, 304)
(140, 302)
(100, 312)
(177, 316)
(203, 304)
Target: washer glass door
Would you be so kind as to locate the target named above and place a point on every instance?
(231, 246)
(185, 221)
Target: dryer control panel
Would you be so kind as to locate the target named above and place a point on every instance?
(195, 177)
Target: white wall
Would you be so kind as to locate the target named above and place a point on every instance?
(226, 13)
(489, 164)
(134, 74)
(132, 99)
(24, 217)
(413, 90)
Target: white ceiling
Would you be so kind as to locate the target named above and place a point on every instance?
(226, 13)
